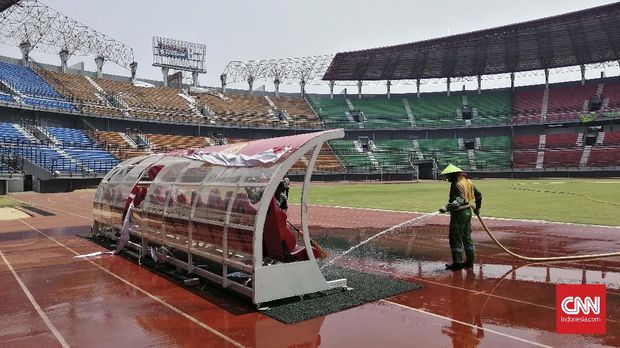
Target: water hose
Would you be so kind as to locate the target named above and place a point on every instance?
(565, 193)
(544, 259)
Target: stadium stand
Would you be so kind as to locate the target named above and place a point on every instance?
(7, 98)
(158, 103)
(299, 110)
(495, 143)
(525, 141)
(383, 113)
(604, 156)
(353, 159)
(567, 101)
(77, 89)
(80, 147)
(527, 105)
(524, 158)
(562, 157)
(327, 161)
(5, 169)
(120, 145)
(32, 88)
(239, 110)
(611, 95)
(71, 137)
(561, 140)
(491, 107)
(496, 159)
(393, 154)
(436, 110)
(162, 142)
(59, 149)
(334, 112)
(612, 138)
(10, 134)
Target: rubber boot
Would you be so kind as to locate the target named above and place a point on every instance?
(457, 259)
(454, 266)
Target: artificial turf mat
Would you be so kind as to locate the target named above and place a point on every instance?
(366, 288)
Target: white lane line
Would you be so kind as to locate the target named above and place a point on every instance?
(467, 324)
(36, 306)
(153, 297)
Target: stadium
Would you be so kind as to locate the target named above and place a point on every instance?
(141, 211)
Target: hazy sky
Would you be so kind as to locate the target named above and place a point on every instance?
(243, 30)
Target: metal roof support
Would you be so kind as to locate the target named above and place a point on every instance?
(276, 83)
(164, 73)
(133, 67)
(388, 84)
(302, 85)
(448, 86)
(417, 86)
(331, 89)
(512, 81)
(25, 47)
(250, 80)
(195, 78)
(359, 89)
(583, 74)
(546, 78)
(99, 60)
(64, 57)
(479, 84)
(223, 80)
(50, 31)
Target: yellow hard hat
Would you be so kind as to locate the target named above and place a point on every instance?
(451, 168)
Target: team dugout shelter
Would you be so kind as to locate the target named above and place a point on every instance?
(212, 212)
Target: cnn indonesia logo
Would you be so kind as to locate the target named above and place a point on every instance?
(580, 309)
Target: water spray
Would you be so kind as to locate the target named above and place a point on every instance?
(377, 235)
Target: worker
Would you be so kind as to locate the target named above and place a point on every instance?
(287, 185)
(281, 197)
(460, 205)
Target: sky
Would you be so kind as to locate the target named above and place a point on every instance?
(263, 29)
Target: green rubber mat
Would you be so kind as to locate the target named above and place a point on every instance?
(366, 288)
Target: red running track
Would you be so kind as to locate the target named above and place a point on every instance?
(50, 299)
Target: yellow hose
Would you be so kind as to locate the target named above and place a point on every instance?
(544, 259)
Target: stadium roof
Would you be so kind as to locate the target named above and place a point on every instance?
(582, 37)
(4, 4)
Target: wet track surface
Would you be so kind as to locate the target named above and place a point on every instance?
(109, 301)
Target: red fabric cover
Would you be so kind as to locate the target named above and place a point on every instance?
(277, 237)
(153, 171)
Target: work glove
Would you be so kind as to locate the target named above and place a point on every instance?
(443, 210)
(477, 211)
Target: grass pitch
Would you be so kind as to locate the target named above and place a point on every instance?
(7, 202)
(499, 200)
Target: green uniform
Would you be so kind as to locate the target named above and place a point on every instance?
(462, 195)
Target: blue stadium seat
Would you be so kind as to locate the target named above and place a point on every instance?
(71, 137)
(10, 134)
(4, 169)
(35, 90)
(99, 161)
(6, 98)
